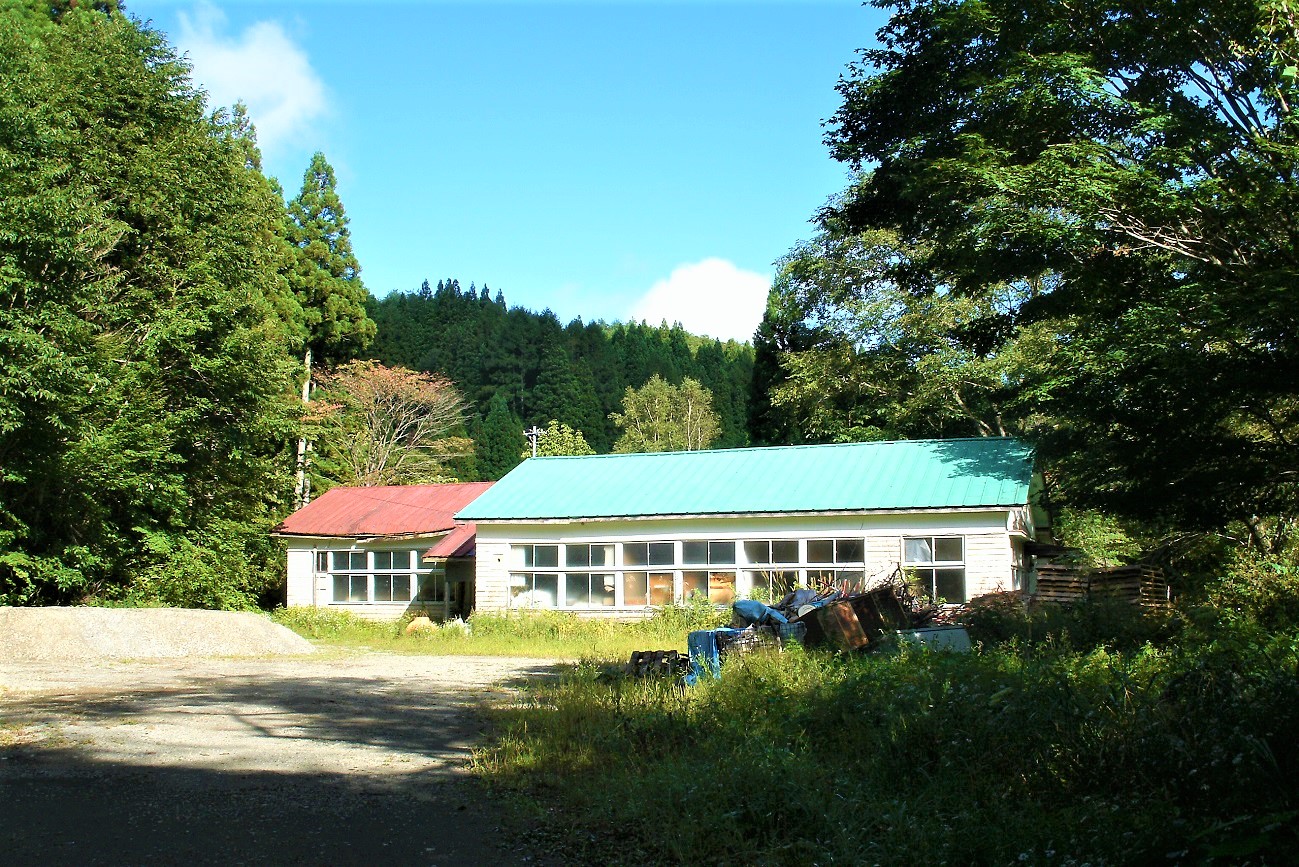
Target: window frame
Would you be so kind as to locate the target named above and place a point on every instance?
(416, 576)
(926, 572)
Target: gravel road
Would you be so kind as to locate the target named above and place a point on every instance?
(331, 758)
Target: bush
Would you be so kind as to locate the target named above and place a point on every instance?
(921, 757)
(333, 624)
(1081, 626)
(1260, 590)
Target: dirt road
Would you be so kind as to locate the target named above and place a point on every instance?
(328, 759)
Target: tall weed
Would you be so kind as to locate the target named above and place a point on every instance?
(1016, 754)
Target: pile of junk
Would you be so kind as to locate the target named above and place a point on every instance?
(835, 618)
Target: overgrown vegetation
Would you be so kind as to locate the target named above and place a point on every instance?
(1085, 736)
(545, 634)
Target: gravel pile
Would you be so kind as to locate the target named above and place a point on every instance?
(56, 634)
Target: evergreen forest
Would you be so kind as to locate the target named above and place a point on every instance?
(543, 370)
(1096, 255)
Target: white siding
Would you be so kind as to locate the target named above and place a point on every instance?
(987, 534)
(306, 586)
(301, 576)
(989, 563)
(492, 581)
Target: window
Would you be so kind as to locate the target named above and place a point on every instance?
(766, 552)
(392, 588)
(769, 581)
(938, 563)
(534, 589)
(845, 551)
(647, 588)
(371, 576)
(345, 560)
(351, 588)
(588, 555)
(773, 584)
(588, 589)
(716, 587)
(536, 556)
(649, 554)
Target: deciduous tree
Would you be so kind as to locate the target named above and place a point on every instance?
(1140, 162)
(661, 417)
(388, 426)
(559, 439)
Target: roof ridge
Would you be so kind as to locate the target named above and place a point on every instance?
(782, 447)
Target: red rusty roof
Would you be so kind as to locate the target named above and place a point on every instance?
(396, 510)
(458, 543)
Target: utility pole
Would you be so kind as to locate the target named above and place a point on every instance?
(533, 435)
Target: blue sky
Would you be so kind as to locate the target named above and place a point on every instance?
(607, 160)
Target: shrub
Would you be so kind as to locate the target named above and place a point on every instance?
(1082, 625)
(1258, 589)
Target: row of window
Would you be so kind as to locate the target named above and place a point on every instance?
(607, 574)
(693, 553)
(380, 576)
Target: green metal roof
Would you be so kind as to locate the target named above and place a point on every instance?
(908, 474)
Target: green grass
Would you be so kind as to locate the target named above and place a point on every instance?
(540, 634)
(1014, 754)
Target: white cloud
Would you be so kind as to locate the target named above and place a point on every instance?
(262, 67)
(711, 297)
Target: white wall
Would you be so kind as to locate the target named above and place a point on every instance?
(988, 534)
(307, 587)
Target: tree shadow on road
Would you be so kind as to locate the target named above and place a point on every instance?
(151, 782)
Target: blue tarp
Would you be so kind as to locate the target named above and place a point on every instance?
(704, 658)
(753, 611)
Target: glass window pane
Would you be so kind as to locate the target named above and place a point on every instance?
(521, 555)
(360, 586)
(382, 588)
(601, 555)
(817, 576)
(602, 589)
(635, 554)
(924, 583)
(342, 584)
(820, 551)
(949, 550)
(694, 582)
(577, 589)
(660, 588)
(431, 588)
(322, 561)
(773, 583)
(721, 553)
(547, 557)
(577, 555)
(694, 553)
(634, 589)
(918, 551)
(757, 552)
(849, 551)
(383, 559)
(662, 554)
(721, 587)
(784, 551)
(547, 588)
(341, 561)
(401, 588)
(358, 561)
(402, 560)
(949, 584)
